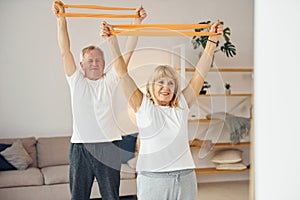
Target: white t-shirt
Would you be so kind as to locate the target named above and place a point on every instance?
(164, 144)
(93, 119)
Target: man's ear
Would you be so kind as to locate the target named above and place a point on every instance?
(81, 65)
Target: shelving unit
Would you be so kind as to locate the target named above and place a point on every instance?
(196, 144)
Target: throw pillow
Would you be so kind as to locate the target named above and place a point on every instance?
(127, 147)
(231, 166)
(4, 164)
(4, 146)
(227, 156)
(132, 162)
(17, 155)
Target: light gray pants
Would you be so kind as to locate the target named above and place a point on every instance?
(175, 185)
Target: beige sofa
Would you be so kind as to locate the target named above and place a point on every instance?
(48, 176)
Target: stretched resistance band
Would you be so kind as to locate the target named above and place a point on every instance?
(97, 8)
(131, 29)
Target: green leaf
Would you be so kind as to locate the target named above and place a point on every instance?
(229, 49)
(226, 34)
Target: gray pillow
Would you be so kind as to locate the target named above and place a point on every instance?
(17, 156)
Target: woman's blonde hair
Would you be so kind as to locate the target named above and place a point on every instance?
(160, 72)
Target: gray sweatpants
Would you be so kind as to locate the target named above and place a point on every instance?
(95, 160)
(175, 185)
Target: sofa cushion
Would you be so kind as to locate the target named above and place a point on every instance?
(17, 155)
(4, 146)
(127, 172)
(4, 164)
(56, 174)
(60, 174)
(29, 145)
(53, 151)
(132, 162)
(28, 177)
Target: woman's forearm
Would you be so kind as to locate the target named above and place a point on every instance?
(204, 63)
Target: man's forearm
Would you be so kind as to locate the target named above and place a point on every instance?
(131, 44)
(119, 63)
(63, 37)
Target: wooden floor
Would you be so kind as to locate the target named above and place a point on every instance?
(236, 190)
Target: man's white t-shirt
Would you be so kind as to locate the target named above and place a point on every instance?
(164, 144)
(93, 119)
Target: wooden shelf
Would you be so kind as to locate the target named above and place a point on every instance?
(231, 69)
(206, 120)
(215, 171)
(196, 144)
(227, 95)
(240, 69)
(230, 145)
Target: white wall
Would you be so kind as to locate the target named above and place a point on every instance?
(34, 96)
(277, 99)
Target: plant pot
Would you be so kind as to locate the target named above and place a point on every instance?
(202, 92)
(228, 91)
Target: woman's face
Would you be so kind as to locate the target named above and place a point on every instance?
(164, 90)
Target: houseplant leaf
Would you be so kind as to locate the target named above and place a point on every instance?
(229, 49)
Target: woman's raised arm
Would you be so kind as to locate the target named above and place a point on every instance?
(203, 66)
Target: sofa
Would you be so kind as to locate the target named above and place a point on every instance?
(47, 175)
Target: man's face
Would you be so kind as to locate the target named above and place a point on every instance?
(93, 64)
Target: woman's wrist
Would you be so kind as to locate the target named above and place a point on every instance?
(212, 41)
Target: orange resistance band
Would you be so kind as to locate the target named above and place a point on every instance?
(130, 32)
(161, 26)
(96, 7)
(97, 15)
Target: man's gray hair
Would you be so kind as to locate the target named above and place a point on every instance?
(87, 49)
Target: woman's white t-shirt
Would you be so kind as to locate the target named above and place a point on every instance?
(163, 132)
(93, 119)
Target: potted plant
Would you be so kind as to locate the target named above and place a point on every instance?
(227, 48)
(204, 87)
(227, 88)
